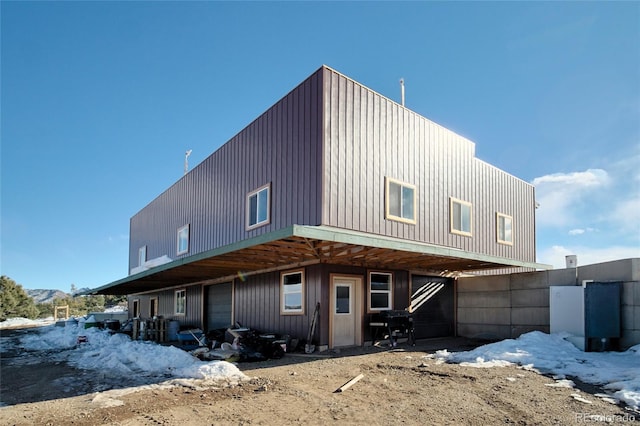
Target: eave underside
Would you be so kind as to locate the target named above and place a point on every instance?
(300, 245)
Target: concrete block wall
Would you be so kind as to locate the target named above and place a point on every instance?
(506, 306)
(630, 314)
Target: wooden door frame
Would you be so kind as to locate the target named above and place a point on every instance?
(358, 304)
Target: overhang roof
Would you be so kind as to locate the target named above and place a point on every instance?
(299, 245)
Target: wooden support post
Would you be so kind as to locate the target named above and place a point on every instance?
(136, 329)
(163, 330)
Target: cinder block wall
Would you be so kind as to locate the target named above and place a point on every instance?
(506, 306)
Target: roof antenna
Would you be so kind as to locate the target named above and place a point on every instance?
(186, 161)
(402, 90)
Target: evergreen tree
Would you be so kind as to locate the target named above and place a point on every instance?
(14, 301)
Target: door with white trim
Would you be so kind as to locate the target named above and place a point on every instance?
(346, 311)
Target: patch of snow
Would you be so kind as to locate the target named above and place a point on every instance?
(562, 383)
(25, 322)
(119, 356)
(151, 263)
(577, 397)
(116, 309)
(617, 372)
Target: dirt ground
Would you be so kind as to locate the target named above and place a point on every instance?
(405, 385)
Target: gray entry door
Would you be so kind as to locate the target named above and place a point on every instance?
(219, 306)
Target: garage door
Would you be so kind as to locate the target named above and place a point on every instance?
(219, 302)
(432, 304)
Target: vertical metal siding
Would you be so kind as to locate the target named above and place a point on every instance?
(281, 147)
(257, 303)
(166, 305)
(369, 137)
(326, 148)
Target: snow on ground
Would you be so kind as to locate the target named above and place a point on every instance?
(617, 372)
(24, 322)
(120, 357)
(116, 309)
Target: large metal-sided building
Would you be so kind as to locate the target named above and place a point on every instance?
(335, 195)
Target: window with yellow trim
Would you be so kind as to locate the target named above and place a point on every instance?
(504, 228)
(400, 201)
(460, 217)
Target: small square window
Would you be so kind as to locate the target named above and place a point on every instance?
(292, 293)
(400, 201)
(183, 240)
(380, 291)
(142, 255)
(180, 302)
(258, 207)
(460, 217)
(504, 227)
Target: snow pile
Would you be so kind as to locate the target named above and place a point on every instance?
(618, 372)
(24, 322)
(116, 309)
(118, 355)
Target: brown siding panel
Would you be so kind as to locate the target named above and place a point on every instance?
(280, 147)
(369, 137)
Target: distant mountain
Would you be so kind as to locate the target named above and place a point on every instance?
(80, 291)
(46, 296)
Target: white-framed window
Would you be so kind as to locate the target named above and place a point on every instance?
(460, 217)
(400, 201)
(180, 302)
(183, 240)
(292, 293)
(259, 207)
(380, 291)
(142, 255)
(504, 228)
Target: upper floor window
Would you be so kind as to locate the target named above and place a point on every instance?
(183, 240)
(180, 302)
(460, 217)
(504, 227)
(400, 201)
(292, 293)
(380, 291)
(142, 255)
(258, 207)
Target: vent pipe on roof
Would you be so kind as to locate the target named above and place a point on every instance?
(402, 90)
(186, 161)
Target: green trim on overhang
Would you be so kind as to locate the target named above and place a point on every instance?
(250, 242)
(328, 233)
(338, 235)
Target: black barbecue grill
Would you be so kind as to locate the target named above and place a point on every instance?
(393, 323)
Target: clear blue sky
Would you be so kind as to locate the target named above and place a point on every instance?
(100, 101)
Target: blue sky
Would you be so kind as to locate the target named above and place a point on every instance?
(100, 101)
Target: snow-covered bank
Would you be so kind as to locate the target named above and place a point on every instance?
(118, 356)
(617, 372)
(24, 322)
